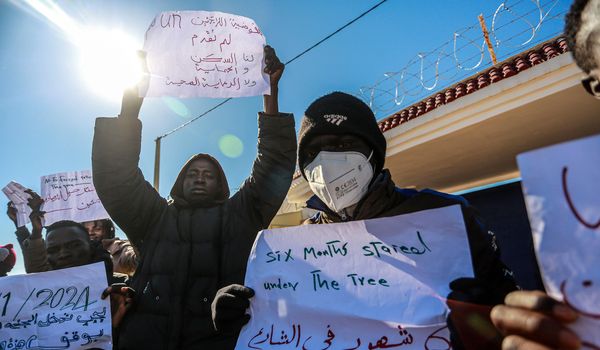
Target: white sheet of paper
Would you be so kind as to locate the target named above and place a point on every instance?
(16, 193)
(562, 193)
(71, 196)
(205, 54)
(358, 284)
(59, 309)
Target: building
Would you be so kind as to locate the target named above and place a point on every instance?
(465, 140)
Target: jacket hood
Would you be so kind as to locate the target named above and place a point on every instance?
(177, 190)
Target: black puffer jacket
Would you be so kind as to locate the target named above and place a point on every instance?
(187, 253)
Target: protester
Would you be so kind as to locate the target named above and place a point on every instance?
(100, 229)
(532, 319)
(32, 244)
(123, 254)
(340, 143)
(582, 29)
(200, 240)
(8, 259)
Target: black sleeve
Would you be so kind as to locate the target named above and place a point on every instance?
(127, 197)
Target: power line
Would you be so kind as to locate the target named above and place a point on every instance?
(286, 63)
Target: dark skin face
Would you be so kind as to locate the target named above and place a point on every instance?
(201, 182)
(68, 247)
(95, 229)
(335, 143)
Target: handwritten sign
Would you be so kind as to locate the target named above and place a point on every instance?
(205, 54)
(59, 309)
(562, 193)
(71, 196)
(16, 193)
(370, 284)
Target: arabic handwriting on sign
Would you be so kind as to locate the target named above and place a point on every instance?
(227, 84)
(284, 338)
(437, 341)
(225, 42)
(574, 210)
(97, 316)
(17, 344)
(209, 20)
(84, 206)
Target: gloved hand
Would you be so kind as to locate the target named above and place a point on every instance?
(469, 323)
(229, 307)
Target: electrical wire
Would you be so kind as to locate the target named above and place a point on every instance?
(286, 63)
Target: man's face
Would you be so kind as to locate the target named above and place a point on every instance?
(95, 229)
(334, 143)
(201, 182)
(68, 247)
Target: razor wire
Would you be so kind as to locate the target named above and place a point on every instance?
(513, 27)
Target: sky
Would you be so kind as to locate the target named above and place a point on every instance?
(48, 108)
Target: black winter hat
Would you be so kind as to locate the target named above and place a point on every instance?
(340, 113)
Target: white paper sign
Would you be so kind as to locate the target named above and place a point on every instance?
(59, 309)
(371, 284)
(16, 193)
(205, 54)
(561, 184)
(71, 196)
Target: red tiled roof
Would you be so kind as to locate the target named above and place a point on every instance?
(506, 69)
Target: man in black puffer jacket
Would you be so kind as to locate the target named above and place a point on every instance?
(198, 242)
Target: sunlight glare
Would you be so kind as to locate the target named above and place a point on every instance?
(109, 62)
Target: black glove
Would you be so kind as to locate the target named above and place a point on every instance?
(229, 307)
(469, 323)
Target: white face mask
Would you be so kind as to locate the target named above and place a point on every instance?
(339, 179)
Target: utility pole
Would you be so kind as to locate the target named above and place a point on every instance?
(486, 36)
(157, 163)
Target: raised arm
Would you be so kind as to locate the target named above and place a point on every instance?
(128, 198)
(34, 247)
(262, 193)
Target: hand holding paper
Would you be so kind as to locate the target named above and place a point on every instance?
(16, 193)
(561, 193)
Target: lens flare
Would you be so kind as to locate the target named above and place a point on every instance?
(177, 106)
(231, 146)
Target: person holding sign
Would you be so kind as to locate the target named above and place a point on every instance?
(200, 240)
(341, 153)
(532, 319)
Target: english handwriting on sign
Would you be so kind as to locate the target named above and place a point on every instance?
(377, 248)
(331, 249)
(297, 340)
(277, 256)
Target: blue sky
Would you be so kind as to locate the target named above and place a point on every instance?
(47, 110)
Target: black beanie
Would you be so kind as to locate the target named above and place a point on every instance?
(339, 113)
